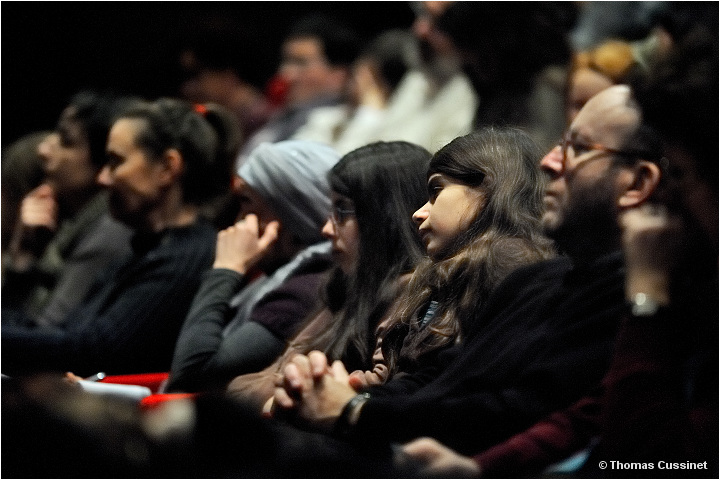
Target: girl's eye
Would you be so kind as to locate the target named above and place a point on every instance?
(113, 160)
(433, 193)
(66, 141)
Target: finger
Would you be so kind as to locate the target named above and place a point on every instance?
(43, 190)
(293, 378)
(424, 449)
(268, 407)
(339, 372)
(357, 380)
(250, 222)
(302, 363)
(282, 399)
(318, 363)
(270, 234)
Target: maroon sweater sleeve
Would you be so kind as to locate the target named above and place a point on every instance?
(661, 394)
(554, 438)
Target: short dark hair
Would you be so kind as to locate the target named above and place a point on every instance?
(394, 53)
(508, 43)
(96, 112)
(340, 43)
(220, 44)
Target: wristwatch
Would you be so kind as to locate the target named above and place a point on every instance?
(643, 305)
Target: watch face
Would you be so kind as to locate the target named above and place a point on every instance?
(644, 306)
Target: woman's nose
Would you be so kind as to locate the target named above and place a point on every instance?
(328, 230)
(421, 214)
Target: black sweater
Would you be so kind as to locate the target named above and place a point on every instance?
(543, 339)
(205, 359)
(130, 319)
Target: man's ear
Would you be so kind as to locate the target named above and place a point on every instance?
(172, 166)
(643, 183)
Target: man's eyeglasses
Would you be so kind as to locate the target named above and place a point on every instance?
(579, 148)
(339, 215)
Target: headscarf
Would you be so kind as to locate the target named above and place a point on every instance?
(291, 176)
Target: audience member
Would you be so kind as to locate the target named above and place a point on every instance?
(592, 71)
(376, 75)
(480, 223)
(161, 159)
(268, 268)
(317, 55)
(515, 54)
(496, 368)
(221, 63)
(544, 336)
(435, 103)
(65, 235)
(658, 366)
(661, 393)
(375, 189)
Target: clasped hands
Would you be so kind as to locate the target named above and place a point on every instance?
(312, 392)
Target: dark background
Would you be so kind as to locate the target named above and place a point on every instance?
(50, 50)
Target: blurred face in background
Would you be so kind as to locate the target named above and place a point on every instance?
(307, 72)
(66, 157)
(584, 84)
(436, 47)
(202, 84)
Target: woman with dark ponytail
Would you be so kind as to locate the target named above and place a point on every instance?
(163, 163)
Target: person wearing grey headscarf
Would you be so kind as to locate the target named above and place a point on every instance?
(268, 268)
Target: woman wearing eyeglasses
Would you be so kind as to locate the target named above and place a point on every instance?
(374, 191)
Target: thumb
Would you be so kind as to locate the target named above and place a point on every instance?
(43, 191)
(423, 449)
(357, 380)
(270, 234)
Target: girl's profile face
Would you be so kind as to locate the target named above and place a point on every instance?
(342, 228)
(449, 211)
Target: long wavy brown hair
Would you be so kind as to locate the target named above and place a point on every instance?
(504, 164)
